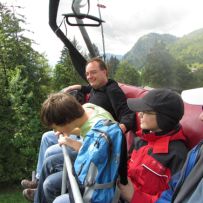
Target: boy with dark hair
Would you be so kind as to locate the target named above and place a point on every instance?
(56, 108)
(63, 113)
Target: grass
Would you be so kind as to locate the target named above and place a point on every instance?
(11, 195)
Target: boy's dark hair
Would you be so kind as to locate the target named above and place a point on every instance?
(60, 109)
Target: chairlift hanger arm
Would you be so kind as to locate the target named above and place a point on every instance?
(78, 60)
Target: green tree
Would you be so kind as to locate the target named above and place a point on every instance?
(65, 73)
(112, 64)
(183, 77)
(96, 50)
(189, 48)
(24, 83)
(159, 68)
(163, 70)
(198, 75)
(127, 74)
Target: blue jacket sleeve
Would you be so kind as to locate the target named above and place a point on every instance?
(166, 196)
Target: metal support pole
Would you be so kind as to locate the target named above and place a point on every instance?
(102, 32)
(84, 32)
(75, 189)
(63, 187)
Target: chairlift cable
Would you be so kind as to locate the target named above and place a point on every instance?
(63, 20)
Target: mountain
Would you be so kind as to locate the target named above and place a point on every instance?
(137, 55)
(189, 48)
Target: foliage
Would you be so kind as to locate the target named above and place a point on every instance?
(64, 73)
(163, 70)
(127, 74)
(96, 50)
(183, 77)
(24, 83)
(198, 75)
(189, 48)
(11, 195)
(112, 64)
(158, 71)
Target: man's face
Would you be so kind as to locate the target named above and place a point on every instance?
(95, 76)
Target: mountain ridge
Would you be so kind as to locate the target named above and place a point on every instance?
(187, 48)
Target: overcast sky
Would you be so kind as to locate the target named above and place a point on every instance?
(125, 22)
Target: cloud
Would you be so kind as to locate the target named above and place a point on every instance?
(125, 22)
(135, 19)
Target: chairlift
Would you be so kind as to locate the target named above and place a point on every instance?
(192, 127)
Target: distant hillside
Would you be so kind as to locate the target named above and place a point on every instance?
(137, 55)
(189, 48)
(108, 56)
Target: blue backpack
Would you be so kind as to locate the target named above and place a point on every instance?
(97, 163)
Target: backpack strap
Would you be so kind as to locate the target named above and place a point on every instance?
(107, 122)
(116, 195)
(97, 186)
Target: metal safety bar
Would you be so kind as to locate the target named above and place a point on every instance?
(67, 170)
(95, 21)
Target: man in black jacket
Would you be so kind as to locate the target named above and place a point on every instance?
(106, 93)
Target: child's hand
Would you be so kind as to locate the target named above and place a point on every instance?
(57, 133)
(62, 140)
(122, 127)
(127, 191)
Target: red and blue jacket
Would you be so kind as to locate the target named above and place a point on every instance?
(156, 157)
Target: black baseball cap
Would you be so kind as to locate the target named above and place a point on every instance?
(166, 103)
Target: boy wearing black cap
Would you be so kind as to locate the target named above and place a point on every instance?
(160, 150)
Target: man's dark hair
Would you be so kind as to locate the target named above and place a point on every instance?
(60, 109)
(102, 64)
